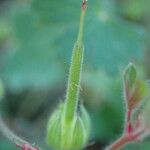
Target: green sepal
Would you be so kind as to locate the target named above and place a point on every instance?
(86, 119)
(74, 135)
(79, 135)
(54, 129)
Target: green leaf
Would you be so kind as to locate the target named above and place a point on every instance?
(4, 144)
(44, 33)
(102, 93)
(136, 9)
(30, 63)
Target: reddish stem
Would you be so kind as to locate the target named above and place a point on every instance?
(125, 139)
(27, 147)
(128, 125)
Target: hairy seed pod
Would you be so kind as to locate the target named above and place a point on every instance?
(69, 126)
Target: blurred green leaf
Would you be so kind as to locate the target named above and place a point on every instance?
(102, 95)
(137, 9)
(44, 35)
(4, 30)
(144, 145)
(30, 63)
(5, 145)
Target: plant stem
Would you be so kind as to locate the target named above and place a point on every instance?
(126, 139)
(72, 96)
(10, 135)
(19, 142)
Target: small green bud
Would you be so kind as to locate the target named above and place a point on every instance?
(130, 76)
(68, 136)
(135, 89)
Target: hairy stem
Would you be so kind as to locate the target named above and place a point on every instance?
(19, 142)
(73, 88)
(126, 139)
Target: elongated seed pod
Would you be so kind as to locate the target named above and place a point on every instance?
(69, 126)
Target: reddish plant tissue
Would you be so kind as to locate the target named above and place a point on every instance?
(84, 4)
(27, 147)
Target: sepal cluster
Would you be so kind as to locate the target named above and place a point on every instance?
(72, 135)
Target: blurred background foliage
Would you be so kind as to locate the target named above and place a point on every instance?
(36, 41)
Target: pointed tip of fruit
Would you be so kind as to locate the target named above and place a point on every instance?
(84, 4)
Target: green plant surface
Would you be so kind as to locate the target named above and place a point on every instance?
(145, 145)
(137, 9)
(4, 144)
(102, 95)
(43, 34)
(36, 39)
